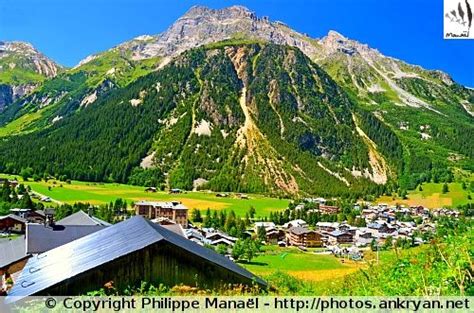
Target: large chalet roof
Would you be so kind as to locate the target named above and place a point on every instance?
(300, 230)
(12, 251)
(40, 237)
(89, 252)
(82, 218)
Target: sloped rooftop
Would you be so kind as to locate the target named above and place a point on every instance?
(40, 237)
(12, 251)
(86, 253)
(82, 218)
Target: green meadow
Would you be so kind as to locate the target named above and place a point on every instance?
(431, 196)
(101, 193)
(307, 265)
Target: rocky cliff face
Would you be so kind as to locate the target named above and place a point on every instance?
(22, 55)
(22, 68)
(202, 25)
(372, 76)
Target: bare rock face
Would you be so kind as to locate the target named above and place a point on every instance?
(26, 57)
(202, 25)
(18, 60)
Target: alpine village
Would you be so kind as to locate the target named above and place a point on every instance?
(233, 155)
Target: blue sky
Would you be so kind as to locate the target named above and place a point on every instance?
(411, 30)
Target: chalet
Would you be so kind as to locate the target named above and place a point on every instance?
(265, 225)
(218, 237)
(127, 253)
(12, 223)
(344, 227)
(328, 209)
(274, 235)
(196, 236)
(369, 213)
(299, 236)
(327, 226)
(338, 236)
(363, 237)
(381, 227)
(174, 211)
(151, 189)
(40, 238)
(32, 216)
(295, 223)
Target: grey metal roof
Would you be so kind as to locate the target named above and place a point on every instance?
(82, 218)
(338, 233)
(41, 238)
(300, 230)
(175, 228)
(81, 255)
(12, 251)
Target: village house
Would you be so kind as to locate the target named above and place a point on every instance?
(303, 237)
(12, 223)
(363, 237)
(126, 253)
(265, 225)
(328, 209)
(274, 235)
(40, 238)
(196, 236)
(340, 237)
(327, 226)
(174, 211)
(34, 216)
(218, 238)
(295, 223)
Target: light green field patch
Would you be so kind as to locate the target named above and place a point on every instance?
(304, 265)
(101, 193)
(431, 196)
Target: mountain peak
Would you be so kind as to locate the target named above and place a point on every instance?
(335, 35)
(201, 25)
(25, 55)
(233, 11)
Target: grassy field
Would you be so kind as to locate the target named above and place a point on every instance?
(100, 193)
(303, 265)
(432, 197)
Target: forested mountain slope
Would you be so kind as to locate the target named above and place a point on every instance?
(227, 100)
(249, 117)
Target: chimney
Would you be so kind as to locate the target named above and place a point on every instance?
(49, 217)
